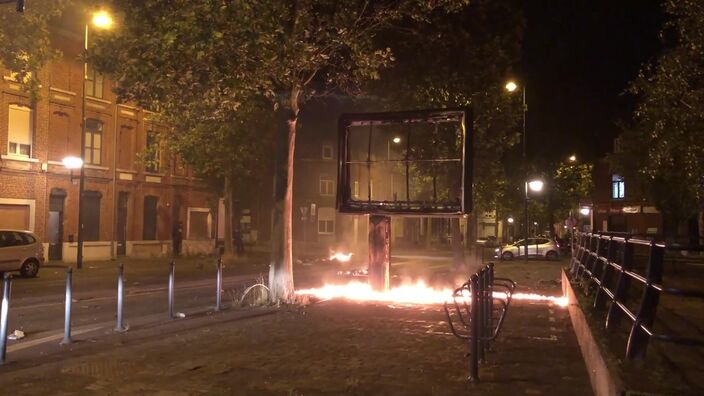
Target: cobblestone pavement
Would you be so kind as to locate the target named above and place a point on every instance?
(328, 348)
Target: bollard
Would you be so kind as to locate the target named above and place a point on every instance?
(67, 312)
(474, 332)
(481, 295)
(7, 282)
(120, 295)
(490, 303)
(172, 269)
(218, 282)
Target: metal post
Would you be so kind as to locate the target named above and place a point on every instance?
(7, 281)
(67, 312)
(172, 269)
(481, 334)
(379, 251)
(474, 330)
(120, 296)
(218, 282)
(490, 302)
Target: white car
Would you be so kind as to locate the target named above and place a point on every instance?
(537, 247)
(21, 251)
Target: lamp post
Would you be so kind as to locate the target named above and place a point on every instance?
(510, 234)
(101, 20)
(537, 186)
(395, 140)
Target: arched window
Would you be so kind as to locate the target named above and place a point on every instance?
(94, 142)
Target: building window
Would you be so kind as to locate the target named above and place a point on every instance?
(91, 215)
(326, 221)
(153, 153)
(94, 83)
(617, 187)
(94, 142)
(149, 224)
(19, 129)
(327, 151)
(327, 187)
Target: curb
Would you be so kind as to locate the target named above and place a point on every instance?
(602, 380)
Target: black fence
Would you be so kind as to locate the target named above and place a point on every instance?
(473, 316)
(612, 268)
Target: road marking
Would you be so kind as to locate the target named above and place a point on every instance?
(59, 335)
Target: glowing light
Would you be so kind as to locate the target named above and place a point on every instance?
(102, 19)
(418, 293)
(510, 220)
(536, 185)
(573, 158)
(397, 140)
(584, 211)
(511, 86)
(341, 257)
(72, 162)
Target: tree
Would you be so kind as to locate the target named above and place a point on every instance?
(25, 40)
(205, 58)
(662, 150)
(569, 184)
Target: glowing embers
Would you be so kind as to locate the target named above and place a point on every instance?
(418, 293)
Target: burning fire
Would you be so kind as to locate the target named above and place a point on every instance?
(418, 293)
(341, 257)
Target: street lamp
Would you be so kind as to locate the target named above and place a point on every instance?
(511, 86)
(395, 140)
(101, 20)
(572, 158)
(510, 234)
(536, 186)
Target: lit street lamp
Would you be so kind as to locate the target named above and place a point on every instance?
(536, 186)
(101, 20)
(572, 158)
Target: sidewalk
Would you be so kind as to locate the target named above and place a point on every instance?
(331, 348)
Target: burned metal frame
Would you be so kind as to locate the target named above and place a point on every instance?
(602, 259)
(345, 204)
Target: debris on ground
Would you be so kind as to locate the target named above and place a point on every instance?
(180, 315)
(16, 335)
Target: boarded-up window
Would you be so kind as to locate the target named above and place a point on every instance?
(126, 146)
(19, 130)
(198, 225)
(59, 125)
(149, 228)
(14, 217)
(91, 215)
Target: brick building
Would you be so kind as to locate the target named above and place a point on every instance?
(131, 206)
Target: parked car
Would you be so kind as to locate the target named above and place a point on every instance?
(537, 247)
(489, 241)
(21, 251)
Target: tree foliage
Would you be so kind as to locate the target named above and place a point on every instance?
(662, 150)
(25, 45)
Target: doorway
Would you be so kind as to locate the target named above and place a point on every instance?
(55, 226)
(122, 200)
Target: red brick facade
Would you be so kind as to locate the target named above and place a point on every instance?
(28, 182)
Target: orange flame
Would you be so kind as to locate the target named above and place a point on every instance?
(418, 293)
(341, 257)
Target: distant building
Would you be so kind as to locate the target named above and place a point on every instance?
(131, 207)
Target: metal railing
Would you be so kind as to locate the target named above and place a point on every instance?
(120, 323)
(605, 264)
(471, 313)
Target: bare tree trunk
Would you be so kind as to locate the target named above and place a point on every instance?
(281, 262)
(227, 193)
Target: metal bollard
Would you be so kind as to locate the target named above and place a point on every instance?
(474, 331)
(7, 282)
(481, 334)
(218, 282)
(490, 302)
(67, 312)
(120, 295)
(172, 269)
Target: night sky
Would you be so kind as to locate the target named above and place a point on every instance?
(578, 58)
